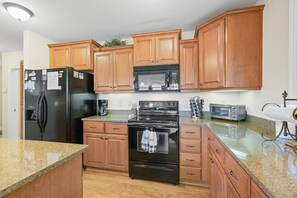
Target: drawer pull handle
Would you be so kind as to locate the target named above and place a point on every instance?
(190, 132)
(233, 175)
(189, 146)
(218, 152)
(93, 127)
(101, 138)
(191, 160)
(190, 174)
(115, 128)
(208, 138)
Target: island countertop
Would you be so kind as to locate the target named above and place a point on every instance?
(22, 161)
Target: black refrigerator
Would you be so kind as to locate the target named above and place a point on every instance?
(55, 102)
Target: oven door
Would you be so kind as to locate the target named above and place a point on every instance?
(167, 149)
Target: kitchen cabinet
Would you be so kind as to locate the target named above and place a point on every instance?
(114, 69)
(108, 145)
(230, 50)
(230, 190)
(192, 168)
(78, 55)
(156, 48)
(188, 64)
(256, 192)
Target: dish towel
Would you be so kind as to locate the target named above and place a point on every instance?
(145, 140)
(153, 142)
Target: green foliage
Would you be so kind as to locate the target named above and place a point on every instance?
(114, 42)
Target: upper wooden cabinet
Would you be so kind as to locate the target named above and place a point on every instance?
(188, 64)
(230, 50)
(156, 48)
(78, 55)
(114, 69)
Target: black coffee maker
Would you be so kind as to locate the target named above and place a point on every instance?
(102, 107)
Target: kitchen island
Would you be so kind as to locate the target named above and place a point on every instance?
(40, 169)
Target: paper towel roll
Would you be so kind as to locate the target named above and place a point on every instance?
(281, 113)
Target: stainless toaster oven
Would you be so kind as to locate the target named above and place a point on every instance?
(228, 112)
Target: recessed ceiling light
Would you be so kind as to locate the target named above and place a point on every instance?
(17, 11)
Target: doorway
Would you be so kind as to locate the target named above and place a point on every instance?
(13, 103)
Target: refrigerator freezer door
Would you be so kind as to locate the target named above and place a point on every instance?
(32, 86)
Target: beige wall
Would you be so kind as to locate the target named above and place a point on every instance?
(275, 57)
(36, 52)
(9, 60)
(0, 96)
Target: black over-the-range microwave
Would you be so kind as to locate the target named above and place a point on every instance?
(156, 78)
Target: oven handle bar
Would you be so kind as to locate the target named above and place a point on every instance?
(153, 167)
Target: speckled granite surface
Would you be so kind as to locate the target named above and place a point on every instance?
(21, 161)
(108, 118)
(271, 164)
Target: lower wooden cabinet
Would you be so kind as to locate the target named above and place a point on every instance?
(108, 148)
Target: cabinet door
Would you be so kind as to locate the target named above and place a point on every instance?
(211, 56)
(144, 51)
(60, 57)
(256, 192)
(80, 57)
(219, 179)
(95, 154)
(167, 50)
(123, 69)
(230, 190)
(210, 171)
(117, 152)
(103, 71)
(189, 65)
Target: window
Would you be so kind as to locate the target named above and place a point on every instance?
(292, 48)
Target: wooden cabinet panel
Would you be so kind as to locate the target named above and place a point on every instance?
(219, 151)
(188, 64)
(103, 71)
(117, 152)
(80, 56)
(167, 51)
(211, 55)
(244, 50)
(230, 190)
(189, 174)
(95, 154)
(191, 132)
(123, 69)
(237, 176)
(60, 57)
(256, 192)
(116, 128)
(93, 126)
(219, 179)
(156, 48)
(210, 171)
(189, 159)
(191, 146)
(144, 51)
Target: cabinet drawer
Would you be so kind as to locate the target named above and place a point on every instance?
(95, 127)
(192, 175)
(237, 176)
(191, 132)
(190, 146)
(192, 160)
(219, 151)
(210, 138)
(116, 128)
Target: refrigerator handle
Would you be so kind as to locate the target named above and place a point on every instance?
(38, 112)
(45, 112)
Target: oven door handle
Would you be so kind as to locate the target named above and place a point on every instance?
(153, 167)
(144, 125)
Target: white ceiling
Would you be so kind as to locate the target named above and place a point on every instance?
(69, 20)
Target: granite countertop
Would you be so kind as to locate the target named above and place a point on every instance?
(108, 118)
(21, 161)
(271, 164)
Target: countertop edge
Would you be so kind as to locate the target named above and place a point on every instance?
(39, 173)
